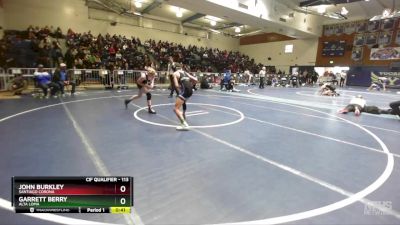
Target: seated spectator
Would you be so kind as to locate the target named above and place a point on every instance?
(43, 81)
(204, 83)
(84, 48)
(18, 84)
(62, 78)
(58, 33)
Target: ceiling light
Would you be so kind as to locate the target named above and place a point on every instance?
(344, 11)
(386, 13)
(237, 29)
(213, 18)
(213, 23)
(321, 9)
(179, 13)
(367, 0)
(138, 4)
(250, 33)
(215, 31)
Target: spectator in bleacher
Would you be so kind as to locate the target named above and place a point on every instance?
(69, 57)
(58, 33)
(3, 49)
(78, 64)
(116, 48)
(43, 80)
(55, 53)
(30, 29)
(44, 54)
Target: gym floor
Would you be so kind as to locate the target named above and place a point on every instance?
(260, 156)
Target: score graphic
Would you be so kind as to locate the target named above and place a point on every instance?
(72, 194)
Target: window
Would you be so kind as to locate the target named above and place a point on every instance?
(289, 48)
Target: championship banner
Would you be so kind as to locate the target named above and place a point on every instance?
(392, 79)
(389, 53)
(365, 76)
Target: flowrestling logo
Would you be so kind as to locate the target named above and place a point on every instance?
(390, 74)
(378, 209)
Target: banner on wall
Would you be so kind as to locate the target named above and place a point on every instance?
(392, 78)
(389, 53)
(364, 76)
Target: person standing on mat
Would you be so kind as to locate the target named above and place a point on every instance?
(342, 79)
(183, 82)
(145, 84)
(294, 80)
(248, 77)
(262, 77)
(171, 66)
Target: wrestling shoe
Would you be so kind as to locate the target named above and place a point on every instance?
(152, 111)
(126, 102)
(183, 127)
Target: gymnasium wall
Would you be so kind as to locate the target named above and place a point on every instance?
(19, 14)
(304, 53)
(2, 24)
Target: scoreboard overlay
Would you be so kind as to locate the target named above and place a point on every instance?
(92, 194)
